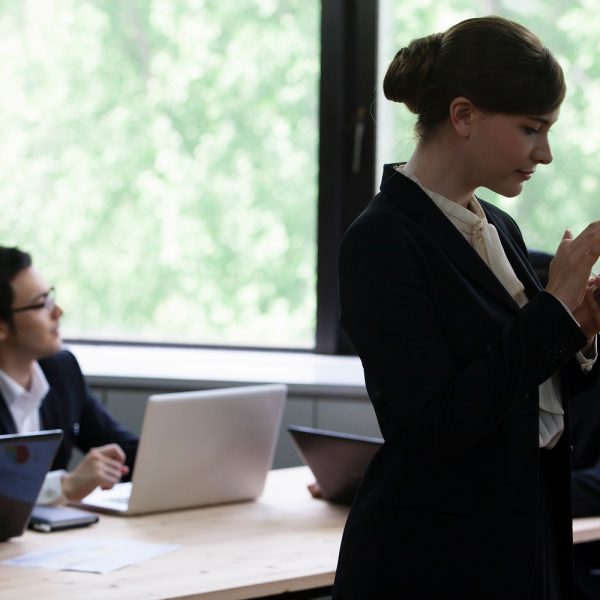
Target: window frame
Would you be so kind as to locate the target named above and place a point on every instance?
(346, 160)
(346, 148)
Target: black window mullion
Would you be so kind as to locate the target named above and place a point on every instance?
(347, 146)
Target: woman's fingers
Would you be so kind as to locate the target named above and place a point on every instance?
(572, 264)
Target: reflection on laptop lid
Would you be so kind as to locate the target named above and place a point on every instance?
(338, 460)
(200, 448)
(24, 461)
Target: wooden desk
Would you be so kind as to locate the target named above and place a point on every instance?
(284, 541)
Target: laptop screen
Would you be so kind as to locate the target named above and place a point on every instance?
(24, 461)
(200, 448)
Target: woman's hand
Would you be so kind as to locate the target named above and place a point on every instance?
(571, 267)
(587, 314)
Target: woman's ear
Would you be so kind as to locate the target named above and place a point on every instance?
(461, 116)
(4, 330)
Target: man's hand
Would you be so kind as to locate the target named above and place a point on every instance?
(103, 466)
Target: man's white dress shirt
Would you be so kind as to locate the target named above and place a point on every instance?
(24, 406)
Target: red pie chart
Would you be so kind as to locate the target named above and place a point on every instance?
(18, 453)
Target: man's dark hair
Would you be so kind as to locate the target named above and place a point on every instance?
(12, 261)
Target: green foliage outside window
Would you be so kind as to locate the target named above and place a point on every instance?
(159, 160)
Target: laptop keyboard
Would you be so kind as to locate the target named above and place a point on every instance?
(120, 499)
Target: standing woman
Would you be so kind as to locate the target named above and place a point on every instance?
(467, 361)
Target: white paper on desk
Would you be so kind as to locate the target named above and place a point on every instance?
(92, 555)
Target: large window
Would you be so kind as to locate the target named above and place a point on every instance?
(159, 159)
(563, 194)
(183, 170)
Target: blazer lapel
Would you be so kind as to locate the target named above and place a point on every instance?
(515, 256)
(49, 410)
(412, 200)
(7, 424)
(47, 416)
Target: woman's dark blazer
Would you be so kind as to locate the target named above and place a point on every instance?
(71, 406)
(448, 506)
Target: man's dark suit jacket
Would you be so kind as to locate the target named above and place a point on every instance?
(71, 406)
(585, 432)
(448, 506)
(584, 415)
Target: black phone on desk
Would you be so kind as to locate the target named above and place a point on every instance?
(56, 518)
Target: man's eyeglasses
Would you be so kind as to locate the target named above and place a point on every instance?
(47, 300)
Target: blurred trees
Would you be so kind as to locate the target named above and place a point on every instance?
(159, 160)
(159, 157)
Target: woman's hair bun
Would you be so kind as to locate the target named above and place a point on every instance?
(409, 71)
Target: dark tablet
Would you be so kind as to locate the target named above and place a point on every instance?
(337, 460)
(55, 518)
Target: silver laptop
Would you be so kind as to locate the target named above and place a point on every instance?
(199, 448)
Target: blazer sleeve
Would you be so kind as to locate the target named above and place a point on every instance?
(419, 329)
(98, 427)
(73, 407)
(578, 379)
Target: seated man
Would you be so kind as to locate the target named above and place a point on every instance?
(42, 387)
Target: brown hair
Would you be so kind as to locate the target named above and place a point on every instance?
(497, 64)
(12, 262)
